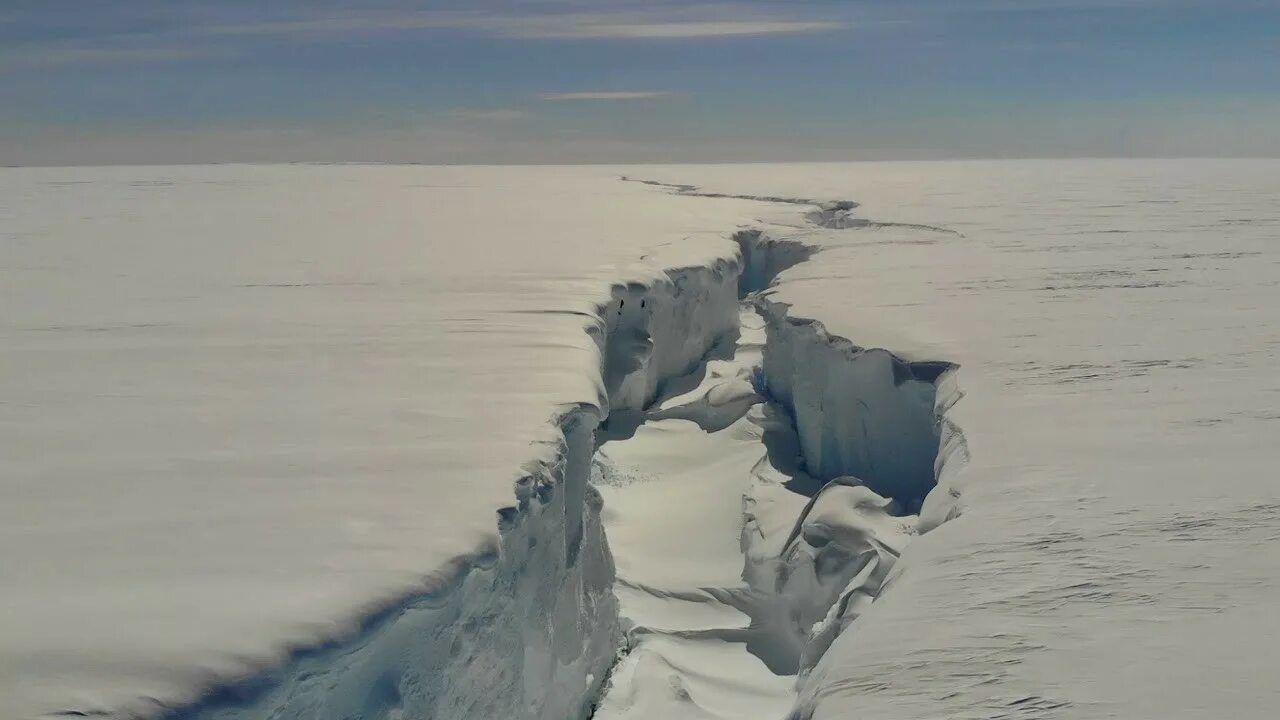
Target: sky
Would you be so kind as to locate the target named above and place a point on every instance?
(577, 81)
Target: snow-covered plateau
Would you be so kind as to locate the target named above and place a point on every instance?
(875, 440)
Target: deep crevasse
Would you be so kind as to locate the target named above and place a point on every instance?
(726, 609)
(530, 628)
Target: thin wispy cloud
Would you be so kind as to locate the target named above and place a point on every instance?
(605, 80)
(603, 95)
(668, 30)
(691, 22)
(626, 21)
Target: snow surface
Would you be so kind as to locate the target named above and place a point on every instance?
(1116, 330)
(328, 430)
(673, 514)
(246, 411)
(723, 601)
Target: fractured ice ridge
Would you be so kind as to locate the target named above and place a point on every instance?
(492, 639)
(694, 191)
(789, 411)
(764, 257)
(527, 627)
(828, 214)
(654, 332)
(861, 412)
(868, 439)
(870, 434)
(834, 564)
(844, 220)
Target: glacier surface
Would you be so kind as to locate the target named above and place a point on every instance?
(405, 442)
(272, 435)
(1113, 517)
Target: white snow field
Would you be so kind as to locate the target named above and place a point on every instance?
(1117, 548)
(256, 412)
(875, 440)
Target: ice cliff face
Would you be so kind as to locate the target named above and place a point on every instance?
(836, 562)
(864, 413)
(657, 331)
(531, 629)
(501, 641)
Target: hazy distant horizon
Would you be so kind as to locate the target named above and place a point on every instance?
(669, 163)
(579, 82)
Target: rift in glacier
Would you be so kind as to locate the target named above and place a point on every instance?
(860, 412)
(701, 646)
(531, 628)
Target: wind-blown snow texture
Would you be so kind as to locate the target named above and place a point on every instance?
(258, 421)
(1115, 325)
(265, 417)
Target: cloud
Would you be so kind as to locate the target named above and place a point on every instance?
(566, 26)
(607, 95)
(588, 29)
(627, 21)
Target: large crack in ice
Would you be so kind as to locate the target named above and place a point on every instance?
(846, 444)
(528, 627)
(829, 214)
(836, 446)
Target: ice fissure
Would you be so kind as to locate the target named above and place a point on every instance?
(835, 448)
(847, 441)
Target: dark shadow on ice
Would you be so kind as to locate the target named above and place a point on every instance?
(674, 387)
(620, 425)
